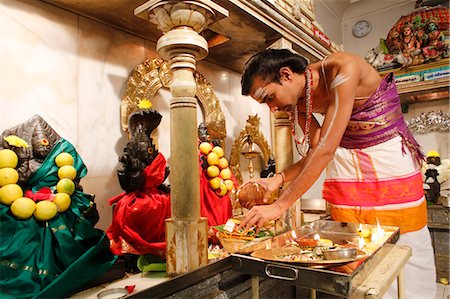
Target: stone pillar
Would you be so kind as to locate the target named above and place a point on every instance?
(182, 46)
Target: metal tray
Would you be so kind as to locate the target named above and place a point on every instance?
(333, 279)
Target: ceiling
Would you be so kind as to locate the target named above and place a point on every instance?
(247, 35)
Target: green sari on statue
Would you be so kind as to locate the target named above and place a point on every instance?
(51, 259)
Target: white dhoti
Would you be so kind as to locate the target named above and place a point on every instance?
(383, 183)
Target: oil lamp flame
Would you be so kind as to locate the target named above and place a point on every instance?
(377, 233)
(294, 235)
(317, 237)
(361, 243)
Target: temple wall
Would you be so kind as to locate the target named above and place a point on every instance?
(73, 72)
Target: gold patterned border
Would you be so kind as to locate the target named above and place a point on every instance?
(151, 75)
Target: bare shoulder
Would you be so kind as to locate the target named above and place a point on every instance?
(350, 62)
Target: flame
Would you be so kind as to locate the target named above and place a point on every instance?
(377, 233)
(294, 235)
(361, 242)
(360, 227)
(317, 237)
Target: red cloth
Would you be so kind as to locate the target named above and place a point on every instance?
(43, 194)
(212, 206)
(139, 216)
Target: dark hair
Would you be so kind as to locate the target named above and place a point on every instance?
(266, 65)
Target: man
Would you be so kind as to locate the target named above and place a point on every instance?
(372, 160)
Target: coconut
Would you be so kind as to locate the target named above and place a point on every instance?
(251, 194)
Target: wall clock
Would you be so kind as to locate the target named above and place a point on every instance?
(361, 28)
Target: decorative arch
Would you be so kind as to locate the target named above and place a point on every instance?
(251, 130)
(151, 75)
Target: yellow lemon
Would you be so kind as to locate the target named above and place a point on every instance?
(67, 171)
(64, 159)
(10, 193)
(218, 150)
(222, 190)
(62, 201)
(212, 158)
(229, 184)
(45, 210)
(212, 171)
(8, 175)
(364, 232)
(65, 186)
(225, 173)
(8, 158)
(23, 207)
(223, 163)
(214, 183)
(205, 148)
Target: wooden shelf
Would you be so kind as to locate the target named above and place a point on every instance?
(422, 91)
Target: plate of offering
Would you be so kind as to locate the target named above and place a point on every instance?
(317, 256)
(234, 240)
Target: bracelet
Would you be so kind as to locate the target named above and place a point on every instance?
(282, 177)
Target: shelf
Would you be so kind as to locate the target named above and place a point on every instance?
(422, 91)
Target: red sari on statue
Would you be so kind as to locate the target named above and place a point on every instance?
(138, 224)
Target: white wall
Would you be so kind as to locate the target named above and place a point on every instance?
(381, 14)
(73, 72)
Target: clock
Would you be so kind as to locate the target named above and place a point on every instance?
(361, 28)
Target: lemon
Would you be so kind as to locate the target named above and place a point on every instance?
(214, 183)
(218, 150)
(8, 158)
(10, 193)
(65, 186)
(8, 175)
(23, 207)
(229, 184)
(364, 232)
(222, 190)
(225, 173)
(67, 171)
(212, 158)
(64, 159)
(205, 148)
(45, 210)
(212, 171)
(62, 201)
(223, 163)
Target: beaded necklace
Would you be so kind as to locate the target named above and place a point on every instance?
(304, 145)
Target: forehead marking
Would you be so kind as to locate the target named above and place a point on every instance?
(260, 93)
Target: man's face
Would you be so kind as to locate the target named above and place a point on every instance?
(281, 96)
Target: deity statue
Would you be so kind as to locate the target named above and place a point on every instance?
(48, 244)
(139, 213)
(410, 46)
(436, 44)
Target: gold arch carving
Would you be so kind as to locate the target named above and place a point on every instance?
(151, 75)
(251, 130)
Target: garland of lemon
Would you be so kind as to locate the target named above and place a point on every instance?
(24, 207)
(217, 169)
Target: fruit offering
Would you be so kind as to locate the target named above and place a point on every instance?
(24, 207)
(216, 168)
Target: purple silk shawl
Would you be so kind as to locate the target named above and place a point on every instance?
(379, 119)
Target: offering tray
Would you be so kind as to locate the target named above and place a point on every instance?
(334, 277)
(296, 255)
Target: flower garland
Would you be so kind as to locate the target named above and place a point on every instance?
(304, 145)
